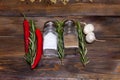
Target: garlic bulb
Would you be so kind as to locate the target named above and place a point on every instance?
(90, 37)
(88, 28)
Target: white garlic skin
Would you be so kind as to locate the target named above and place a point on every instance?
(88, 28)
(90, 37)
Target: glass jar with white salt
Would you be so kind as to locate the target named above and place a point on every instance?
(50, 40)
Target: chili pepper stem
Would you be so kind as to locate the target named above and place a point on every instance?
(24, 15)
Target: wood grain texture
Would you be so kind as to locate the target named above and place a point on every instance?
(104, 26)
(104, 57)
(104, 63)
(97, 8)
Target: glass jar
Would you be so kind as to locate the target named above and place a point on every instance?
(70, 37)
(50, 40)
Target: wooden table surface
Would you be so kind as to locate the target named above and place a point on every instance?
(104, 56)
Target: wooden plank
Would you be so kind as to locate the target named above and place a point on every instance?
(15, 8)
(10, 44)
(109, 49)
(104, 26)
(20, 71)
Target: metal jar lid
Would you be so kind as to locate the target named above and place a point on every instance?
(49, 24)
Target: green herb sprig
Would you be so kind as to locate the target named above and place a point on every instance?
(82, 44)
(60, 46)
(32, 45)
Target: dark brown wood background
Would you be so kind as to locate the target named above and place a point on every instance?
(104, 57)
(83, 7)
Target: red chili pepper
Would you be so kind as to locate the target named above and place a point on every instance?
(26, 27)
(39, 50)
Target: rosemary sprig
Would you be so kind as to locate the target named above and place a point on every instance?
(82, 44)
(59, 30)
(32, 44)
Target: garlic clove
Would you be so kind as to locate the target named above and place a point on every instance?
(90, 37)
(91, 33)
(88, 28)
